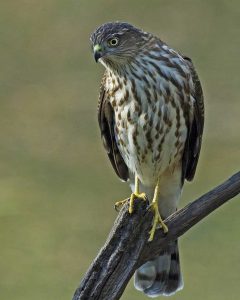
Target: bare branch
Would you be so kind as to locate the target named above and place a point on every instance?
(127, 248)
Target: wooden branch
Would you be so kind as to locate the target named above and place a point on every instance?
(127, 247)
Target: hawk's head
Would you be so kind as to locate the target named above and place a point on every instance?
(117, 43)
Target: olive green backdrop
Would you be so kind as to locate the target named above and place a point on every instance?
(57, 188)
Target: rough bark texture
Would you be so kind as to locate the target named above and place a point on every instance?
(127, 247)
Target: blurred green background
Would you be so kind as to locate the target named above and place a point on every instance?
(57, 188)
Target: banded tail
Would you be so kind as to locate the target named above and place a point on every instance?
(161, 276)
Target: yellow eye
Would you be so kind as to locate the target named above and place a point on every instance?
(113, 42)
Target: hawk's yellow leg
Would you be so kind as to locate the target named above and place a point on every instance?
(157, 217)
(135, 195)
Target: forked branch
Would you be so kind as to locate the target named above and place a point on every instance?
(127, 247)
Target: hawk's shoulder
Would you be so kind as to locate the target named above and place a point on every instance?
(106, 122)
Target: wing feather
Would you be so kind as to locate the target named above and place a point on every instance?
(106, 122)
(195, 129)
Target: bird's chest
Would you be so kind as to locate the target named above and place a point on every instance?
(149, 126)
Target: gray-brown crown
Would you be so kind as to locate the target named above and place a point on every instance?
(110, 29)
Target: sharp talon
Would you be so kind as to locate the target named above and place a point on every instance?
(118, 205)
(117, 208)
(165, 228)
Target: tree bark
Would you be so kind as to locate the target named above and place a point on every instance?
(127, 247)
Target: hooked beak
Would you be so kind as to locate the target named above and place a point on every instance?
(97, 49)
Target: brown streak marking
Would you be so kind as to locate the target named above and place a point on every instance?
(113, 91)
(158, 69)
(161, 130)
(152, 76)
(157, 157)
(155, 57)
(136, 107)
(173, 102)
(133, 68)
(114, 103)
(138, 64)
(177, 134)
(126, 96)
(169, 64)
(121, 102)
(121, 142)
(120, 86)
(159, 91)
(144, 78)
(167, 130)
(168, 92)
(154, 108)
(129, 116)
(134, 91)
(148, 136)
(151, 121)
(175, 82)
(165, 116)
(186, 88)
(180, 70)
(148, 95)
(155, 94)
(136, 75)
(181, 96)
(161, 143)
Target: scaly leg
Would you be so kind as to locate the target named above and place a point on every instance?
(136, 195)
(157, 217)
(133, 196)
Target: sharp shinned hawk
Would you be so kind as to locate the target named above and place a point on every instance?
(151, 117)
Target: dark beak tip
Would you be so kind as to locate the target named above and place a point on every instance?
(97, 55)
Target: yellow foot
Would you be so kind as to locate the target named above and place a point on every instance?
(157, 220)
(133, 197)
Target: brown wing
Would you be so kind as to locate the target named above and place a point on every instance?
(106, 123)
(195, 129)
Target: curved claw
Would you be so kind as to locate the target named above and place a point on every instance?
(118, 205)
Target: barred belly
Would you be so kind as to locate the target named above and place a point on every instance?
(151, 142)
